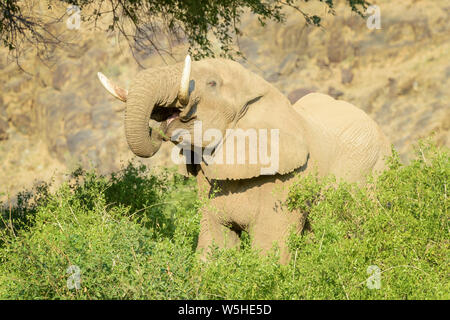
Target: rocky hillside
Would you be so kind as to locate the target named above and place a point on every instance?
(56, 114)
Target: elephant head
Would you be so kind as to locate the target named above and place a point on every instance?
(222, 95)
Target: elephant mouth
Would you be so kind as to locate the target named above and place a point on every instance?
(161, 114)
(170, 115)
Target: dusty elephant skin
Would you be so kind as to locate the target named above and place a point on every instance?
(316, 133)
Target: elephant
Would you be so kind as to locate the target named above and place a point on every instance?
(317, 134)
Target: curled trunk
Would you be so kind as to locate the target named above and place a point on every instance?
(152, 88)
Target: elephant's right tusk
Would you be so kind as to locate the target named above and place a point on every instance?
(183, 93)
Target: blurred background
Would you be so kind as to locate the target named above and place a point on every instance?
(55, 115)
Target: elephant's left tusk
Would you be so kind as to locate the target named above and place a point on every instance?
(183, 93)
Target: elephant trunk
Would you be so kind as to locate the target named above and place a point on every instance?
(157, 87)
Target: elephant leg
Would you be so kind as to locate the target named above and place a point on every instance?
(275, 227)
(213, 232)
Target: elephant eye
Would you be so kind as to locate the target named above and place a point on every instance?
(211, 83)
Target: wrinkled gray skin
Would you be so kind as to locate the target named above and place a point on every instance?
(318, 134)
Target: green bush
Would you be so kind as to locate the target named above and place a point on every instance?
(133, 236)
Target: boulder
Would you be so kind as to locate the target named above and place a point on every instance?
(3, 129)
(346, 75)
(66, 72)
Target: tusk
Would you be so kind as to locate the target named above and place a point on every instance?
(112, 88)
(183, 93)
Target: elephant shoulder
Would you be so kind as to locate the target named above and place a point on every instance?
(322, 110)
(346, 133)
(325, 106)
(313, 98)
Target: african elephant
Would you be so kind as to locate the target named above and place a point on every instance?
(318, 134)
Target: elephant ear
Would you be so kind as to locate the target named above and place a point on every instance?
(280, 146)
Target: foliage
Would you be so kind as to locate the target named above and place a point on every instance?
(133, 236)
(191, 19)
